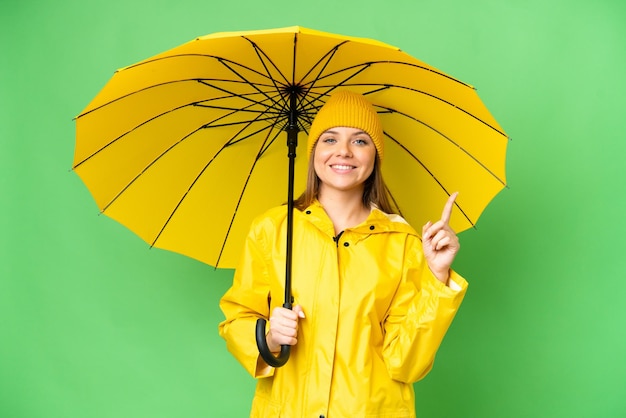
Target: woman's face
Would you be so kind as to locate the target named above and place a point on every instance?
(343, 159)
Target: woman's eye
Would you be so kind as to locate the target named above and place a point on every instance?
(329, 139)
(360, 141)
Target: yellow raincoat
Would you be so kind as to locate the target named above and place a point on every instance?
(375, 315)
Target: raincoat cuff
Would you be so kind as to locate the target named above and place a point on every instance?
(263, 369)
(456, 283)
(452, 284)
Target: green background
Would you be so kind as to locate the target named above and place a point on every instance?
(94, 324)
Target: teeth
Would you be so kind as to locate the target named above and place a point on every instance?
(342, 167)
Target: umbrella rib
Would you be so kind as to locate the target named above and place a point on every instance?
(126, 133)
(245, 80)
(305, 103)
(218, 58)
(234, 139)
(244, 97)
(343, 82)
(295, 56)
(206, 82)
(387, 86)
(147, 167)
(315, 107)
(420, 67)
(264, 147)
(196, 103)
(221, 60)
(276, 116)
(184, 196)
(326, 58)
(431, 174)
(260, 52)
(266, 109)
(447, 138)
(184, 80)
(232, 111)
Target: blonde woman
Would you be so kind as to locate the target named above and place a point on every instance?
(372, 301)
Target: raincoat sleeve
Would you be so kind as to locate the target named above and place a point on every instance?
(420, 314)
(245, 302)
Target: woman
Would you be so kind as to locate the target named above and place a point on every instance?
(372, 303)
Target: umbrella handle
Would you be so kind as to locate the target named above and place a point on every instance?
(264, 350)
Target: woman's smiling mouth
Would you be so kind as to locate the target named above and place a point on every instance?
(342, 167)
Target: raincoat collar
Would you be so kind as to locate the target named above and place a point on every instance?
(377, 222)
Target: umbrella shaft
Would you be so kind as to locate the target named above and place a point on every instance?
(292, 143)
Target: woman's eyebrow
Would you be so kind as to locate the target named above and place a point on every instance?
(332, 131)
(359, 133)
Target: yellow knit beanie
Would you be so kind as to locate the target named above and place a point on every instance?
(349, 109)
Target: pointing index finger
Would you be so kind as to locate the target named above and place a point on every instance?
(447, 209)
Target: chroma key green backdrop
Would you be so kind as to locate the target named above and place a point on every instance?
(94, 324)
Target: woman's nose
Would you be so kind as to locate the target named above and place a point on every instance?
(344, 150)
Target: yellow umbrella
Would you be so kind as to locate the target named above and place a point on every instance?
(186, 147)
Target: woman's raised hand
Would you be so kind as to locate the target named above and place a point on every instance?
(440, 243)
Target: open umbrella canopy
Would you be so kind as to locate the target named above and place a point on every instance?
(187, 147)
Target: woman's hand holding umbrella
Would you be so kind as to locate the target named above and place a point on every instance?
(440, 243)
(283, 327)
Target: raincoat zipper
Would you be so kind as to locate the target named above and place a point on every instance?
(336, 238)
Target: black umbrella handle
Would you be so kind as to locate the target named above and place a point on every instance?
(264, 350)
